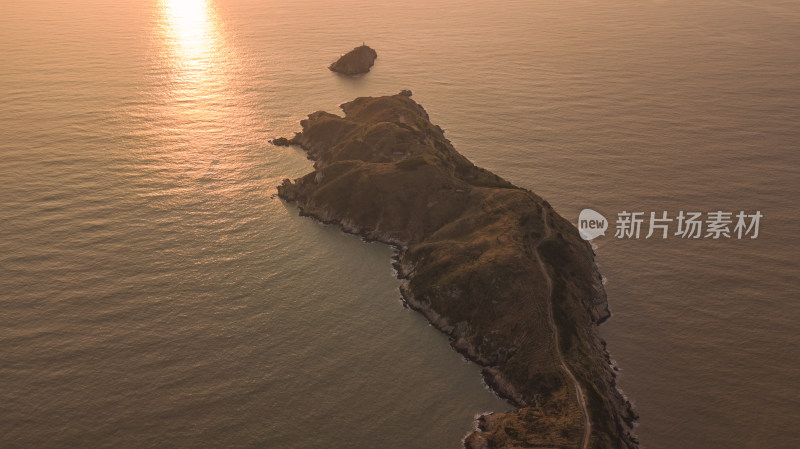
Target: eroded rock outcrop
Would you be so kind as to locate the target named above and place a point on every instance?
(490, 264)
(355, 62)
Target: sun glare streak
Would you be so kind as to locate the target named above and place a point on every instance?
(201, 100)
(192, 32)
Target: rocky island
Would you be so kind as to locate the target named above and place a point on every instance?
(355, 62)
(490, 264)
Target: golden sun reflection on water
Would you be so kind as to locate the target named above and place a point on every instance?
(200, 101)
(192, 33)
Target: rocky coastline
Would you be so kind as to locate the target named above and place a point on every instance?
(489, 264)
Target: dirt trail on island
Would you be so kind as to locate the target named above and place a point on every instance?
(587, 424)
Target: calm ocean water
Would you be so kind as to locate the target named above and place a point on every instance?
(154, 294)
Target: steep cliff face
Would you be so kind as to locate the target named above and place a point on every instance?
(357, 61)
(488, 263)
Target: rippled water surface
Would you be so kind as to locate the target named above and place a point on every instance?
(155, 294)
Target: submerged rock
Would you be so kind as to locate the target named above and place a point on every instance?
(281, 142)
(357, 61)
(490, 264)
